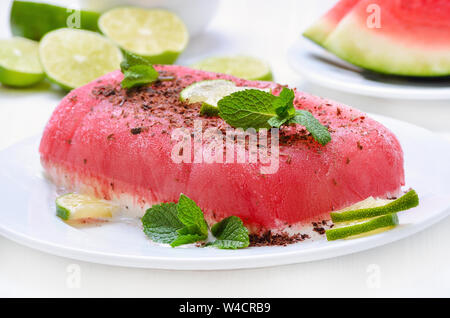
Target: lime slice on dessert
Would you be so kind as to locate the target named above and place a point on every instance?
(72, 58)
(373, 226)
(77, 207)
(209, 93)
(32, 20)
(19, 62)
(156, 34)
(375, 207)
(245, 67)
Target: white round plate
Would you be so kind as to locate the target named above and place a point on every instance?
(28, 216)
(320, 67)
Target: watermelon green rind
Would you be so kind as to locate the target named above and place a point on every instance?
(383, 55)
(319, 31)
(411, 38)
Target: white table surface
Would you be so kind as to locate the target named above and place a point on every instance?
(416, 266)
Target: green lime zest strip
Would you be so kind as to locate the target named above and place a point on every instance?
(381, 222)
(405, 202)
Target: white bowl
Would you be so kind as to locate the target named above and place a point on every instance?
(196, 14)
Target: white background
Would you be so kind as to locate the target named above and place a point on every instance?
(416, 266)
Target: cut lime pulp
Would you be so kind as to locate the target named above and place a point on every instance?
(209, 93)
(74, 206)
(245, 67)
(73, 58)
(19, 62)
(156, 34)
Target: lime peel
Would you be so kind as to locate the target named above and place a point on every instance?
(246, 67)
(78, 207)
(72, 58)
(377, 224)
(155, 34)
(33, 20)
(19, 62)
(405, 202)
(209, 92)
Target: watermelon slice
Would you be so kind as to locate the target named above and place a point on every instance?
(412, 38)
(320, 30)
(114, 144)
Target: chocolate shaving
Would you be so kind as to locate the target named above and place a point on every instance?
(282, 239)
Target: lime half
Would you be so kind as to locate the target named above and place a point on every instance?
(72, 58)
(74, 206)
(209, 93)
(245, 67)
(156, 34)
(32, 20)
(19, 62)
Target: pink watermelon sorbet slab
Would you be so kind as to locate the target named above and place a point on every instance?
(105, 141)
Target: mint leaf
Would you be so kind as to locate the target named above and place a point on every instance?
(161, 223)
(230, 233)
(191, 215)
(284, 104)
(187, 239)
(137, 71)
(250, 108)
(319, 132)
(277, 121)
(189, 234)
(256, 109)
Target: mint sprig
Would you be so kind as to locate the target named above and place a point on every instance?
(137, 71)
(184, 223)
(257, 109)
(230, 233)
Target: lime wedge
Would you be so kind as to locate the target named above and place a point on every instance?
(245, 67)
(405, 202)
(32, 20)
(373, 226)
(156, 34)
(74, 206)
(209, 93)
(72, 58)
(19, 62)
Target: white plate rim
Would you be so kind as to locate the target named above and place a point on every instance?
(298, 60)
(213, 263)
(228, 262)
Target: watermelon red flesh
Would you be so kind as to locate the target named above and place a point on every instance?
(320, 30)
(88, 146)
(413, 37)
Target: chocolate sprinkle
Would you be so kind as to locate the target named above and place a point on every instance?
(282, 239)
